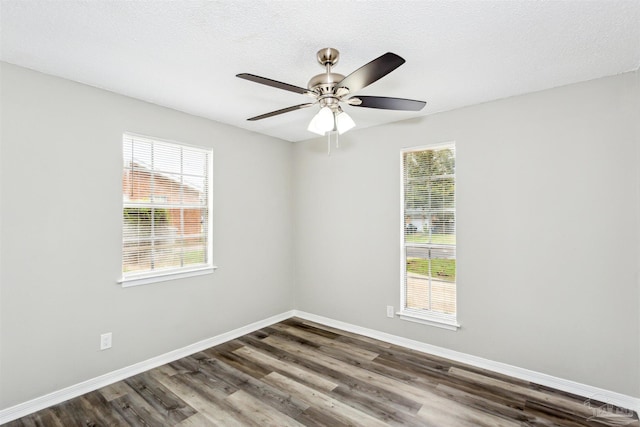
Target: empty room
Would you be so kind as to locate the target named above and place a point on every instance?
(319, 213)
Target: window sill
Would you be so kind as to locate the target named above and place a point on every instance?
(162, 277)
(444, 321)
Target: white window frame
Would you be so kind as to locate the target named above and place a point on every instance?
(427, 317)
(143, 278)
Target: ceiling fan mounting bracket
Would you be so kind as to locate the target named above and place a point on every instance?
(328, 56)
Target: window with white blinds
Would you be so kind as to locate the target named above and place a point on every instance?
(429, 235)
(166, 213)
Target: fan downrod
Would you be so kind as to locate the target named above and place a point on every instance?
(323, 85)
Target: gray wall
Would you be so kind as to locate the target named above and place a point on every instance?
(547, 193)
(61, 235)
(547, 231)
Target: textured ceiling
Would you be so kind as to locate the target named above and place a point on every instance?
(185, 54)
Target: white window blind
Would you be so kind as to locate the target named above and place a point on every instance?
(429, 237)
(166, 216)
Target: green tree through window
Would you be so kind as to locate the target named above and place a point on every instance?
(429, 238)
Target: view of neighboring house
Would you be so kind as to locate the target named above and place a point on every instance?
(162, 214)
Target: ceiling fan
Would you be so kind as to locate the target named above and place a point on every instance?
(330, 89)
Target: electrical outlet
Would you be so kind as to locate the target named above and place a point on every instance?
(105, 341)
(390, 312)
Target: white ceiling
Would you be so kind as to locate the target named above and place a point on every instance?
(185, 54)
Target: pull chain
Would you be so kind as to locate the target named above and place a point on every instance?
(329, 141)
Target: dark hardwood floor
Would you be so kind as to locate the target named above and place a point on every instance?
(300, 373)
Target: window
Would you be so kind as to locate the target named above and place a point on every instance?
(429, 236)
(166, 211)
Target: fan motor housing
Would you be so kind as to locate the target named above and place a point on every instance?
(324, 83)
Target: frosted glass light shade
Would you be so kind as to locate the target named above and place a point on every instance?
(313, 126)
(344, 122)
(325, 119)
(322, 122)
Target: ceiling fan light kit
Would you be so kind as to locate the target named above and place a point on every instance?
(329, 89)
(328, 120)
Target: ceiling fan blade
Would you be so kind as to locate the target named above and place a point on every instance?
(277, 112)
(388, 103)
(371, 72)
(273, 83)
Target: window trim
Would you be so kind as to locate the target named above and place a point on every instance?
(425, 317)
(146, 278)
(162, 275)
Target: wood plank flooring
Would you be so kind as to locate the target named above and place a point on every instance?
(299, 373)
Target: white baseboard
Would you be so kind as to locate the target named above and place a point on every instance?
(79, 389)
(26, 408)
(589, 392)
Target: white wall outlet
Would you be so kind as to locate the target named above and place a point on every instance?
(105, 341)
(390, 312)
